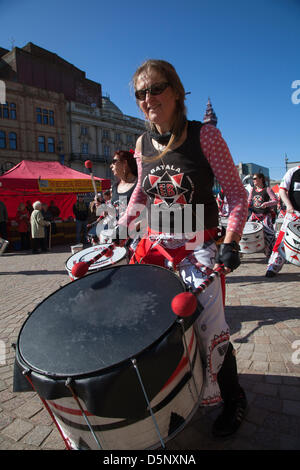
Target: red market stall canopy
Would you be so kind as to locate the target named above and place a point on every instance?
(46, 181)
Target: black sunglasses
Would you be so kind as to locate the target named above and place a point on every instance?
(115, 160)
(155, 89)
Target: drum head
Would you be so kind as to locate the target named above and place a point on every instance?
(99, 320)
(252, 227)
(88, 253)
(294, 227)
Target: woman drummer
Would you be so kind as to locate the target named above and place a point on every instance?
(177, 161)
(262, 203)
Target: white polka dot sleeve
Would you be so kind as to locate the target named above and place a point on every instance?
(218, 155)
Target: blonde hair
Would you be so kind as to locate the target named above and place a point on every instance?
(169, 73)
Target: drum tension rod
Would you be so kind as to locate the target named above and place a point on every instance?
(148, 402)
(68, 385)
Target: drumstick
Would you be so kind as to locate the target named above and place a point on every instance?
(88, 164)
(185, 304)
(81, 268)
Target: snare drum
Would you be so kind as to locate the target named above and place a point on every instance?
(252, 240)
(290, 245)
(118, 257)
(111, 361)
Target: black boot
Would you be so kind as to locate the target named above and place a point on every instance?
(234, 398)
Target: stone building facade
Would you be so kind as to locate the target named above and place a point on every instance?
(53, 112)
(33, 125)
(96, 133)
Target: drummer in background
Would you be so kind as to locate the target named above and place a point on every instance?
(177, 162)
(124, 168)
(289, 193)
(262, 203)
(222, 204)
(107, 196)
(93, 217)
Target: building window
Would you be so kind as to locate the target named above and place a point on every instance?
(12, 138)
(83, 131)
(118, 138)
(51, 146)
(2, 140)
(106, 150)
(13, 111)
(41, 142)
(129, 139)
(5, 112)
(51, 118)
(105, 134)
(84, 148)
(45, 116)
(39, 115)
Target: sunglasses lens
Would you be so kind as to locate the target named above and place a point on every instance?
(158, 89)
(140, 94)
(153, 90)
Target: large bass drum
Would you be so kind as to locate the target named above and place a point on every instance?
(290, 245)
(252, 240)
(112, 363)
(119, 256)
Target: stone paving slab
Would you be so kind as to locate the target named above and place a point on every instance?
(263, 315)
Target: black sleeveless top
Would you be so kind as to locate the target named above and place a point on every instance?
(258, 198)
(179, 186)
(120, 200)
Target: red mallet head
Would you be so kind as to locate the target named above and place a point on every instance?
(80, 269)
(88, 164)
(184, 304)
(108, 253)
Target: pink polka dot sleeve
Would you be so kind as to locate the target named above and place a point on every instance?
(218, 155)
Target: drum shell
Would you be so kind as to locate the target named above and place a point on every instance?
(290, 245)
(173, 405)
(252, 240)
(113, 398)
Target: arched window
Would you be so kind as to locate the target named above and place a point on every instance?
(12, 137)
(2, 140)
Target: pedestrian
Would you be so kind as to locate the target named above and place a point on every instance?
(81, 213)
(38, 225)
(177, 162)
(23, 220)
(289, 193)
(3, 220)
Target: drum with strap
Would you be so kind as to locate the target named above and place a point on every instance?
(112, 363)
(119, 256)
(252, 240)
(290, 245)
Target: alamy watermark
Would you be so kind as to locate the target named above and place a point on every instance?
(296, 94)
(2, 92)
(181, 221)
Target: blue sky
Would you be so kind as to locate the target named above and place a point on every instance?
(243, 54)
